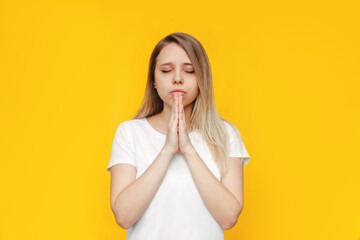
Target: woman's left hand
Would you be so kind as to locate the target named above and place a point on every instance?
(184, 140)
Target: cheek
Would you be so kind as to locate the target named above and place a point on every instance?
(195, 87)
(159, 78)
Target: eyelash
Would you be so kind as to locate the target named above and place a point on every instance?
(185, 71)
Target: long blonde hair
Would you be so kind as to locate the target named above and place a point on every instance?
(204, 118)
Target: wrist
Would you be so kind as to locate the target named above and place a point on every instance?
(167, 152)
(189, 151)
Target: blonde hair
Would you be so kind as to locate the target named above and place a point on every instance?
(204, 118)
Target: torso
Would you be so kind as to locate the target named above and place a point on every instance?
(176, 211)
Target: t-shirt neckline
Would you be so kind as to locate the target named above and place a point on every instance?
(156, 131)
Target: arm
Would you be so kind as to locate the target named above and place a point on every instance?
(129, 202)
(223, 205)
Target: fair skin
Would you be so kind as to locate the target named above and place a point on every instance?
(130, 197)
(173, 71)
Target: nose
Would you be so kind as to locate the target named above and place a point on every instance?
(177, 78)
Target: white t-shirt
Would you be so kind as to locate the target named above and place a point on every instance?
(177, 211)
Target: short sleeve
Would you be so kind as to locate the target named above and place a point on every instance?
(236, 146)
(122, 150)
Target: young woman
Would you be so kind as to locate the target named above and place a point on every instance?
(177, 166)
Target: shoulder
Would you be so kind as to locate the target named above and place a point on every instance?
(229, 127)
(127, 127)
(130, 123)
(124, 126)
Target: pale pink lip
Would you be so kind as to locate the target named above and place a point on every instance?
(177, 91)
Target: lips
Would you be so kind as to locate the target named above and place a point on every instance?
(177, 90)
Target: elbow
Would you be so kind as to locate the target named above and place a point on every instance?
(122, 222)
(120, 218)
(229, 224)
(231, 221)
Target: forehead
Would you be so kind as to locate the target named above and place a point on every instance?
(173, 54)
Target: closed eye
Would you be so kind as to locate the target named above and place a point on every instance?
(164, 71)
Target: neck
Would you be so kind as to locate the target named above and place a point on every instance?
(165, 115)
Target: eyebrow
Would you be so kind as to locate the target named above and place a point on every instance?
(167, 63)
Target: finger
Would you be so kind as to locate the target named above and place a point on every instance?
(177, 101)
(173, 110)
(180, 107)
(183, 117)
(181, 113)
(176, 110)
(180, 100)
(177, 119)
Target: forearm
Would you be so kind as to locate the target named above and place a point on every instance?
(220, 202)
(132, 202)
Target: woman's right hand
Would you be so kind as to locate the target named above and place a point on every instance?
(171, 142)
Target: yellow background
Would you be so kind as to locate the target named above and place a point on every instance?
(286, 73)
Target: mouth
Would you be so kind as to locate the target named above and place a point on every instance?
(180, 91)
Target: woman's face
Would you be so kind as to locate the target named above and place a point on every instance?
(173, 71)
